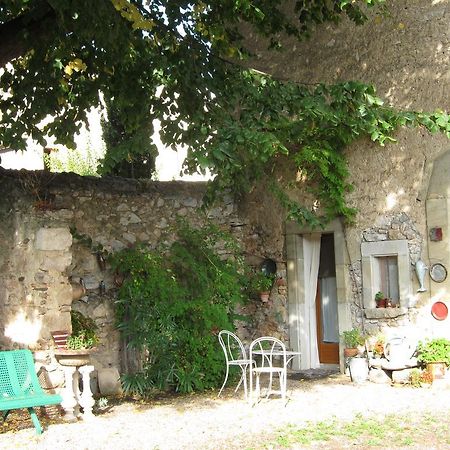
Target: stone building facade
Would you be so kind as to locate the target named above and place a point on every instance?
(401, 194)
(401, 190)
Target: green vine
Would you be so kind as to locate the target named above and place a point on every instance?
(311, 126)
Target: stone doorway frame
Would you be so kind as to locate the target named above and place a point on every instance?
(296, 295)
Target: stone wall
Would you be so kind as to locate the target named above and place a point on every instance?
(53, 228)
(35, 294)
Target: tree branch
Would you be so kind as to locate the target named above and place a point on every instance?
(17, 35)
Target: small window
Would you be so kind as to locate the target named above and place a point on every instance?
(386, 268)
(387, 276)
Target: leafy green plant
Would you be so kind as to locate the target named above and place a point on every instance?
(434, 350)
(84, 332)
(262, 282)
(379, 296)
(172, 304)
(420, 377)
(415, 377)
(352, 338)
(237, 122)
(83, 162)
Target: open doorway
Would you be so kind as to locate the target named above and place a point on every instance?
(326, 304)
(307, 282)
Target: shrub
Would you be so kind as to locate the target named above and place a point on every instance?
(173, 303)
(434, 350)
(261, 282)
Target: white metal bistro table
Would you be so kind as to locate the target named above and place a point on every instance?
(290, 354)
(275, 359)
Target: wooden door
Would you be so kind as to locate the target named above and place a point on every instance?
(326, 304)
(328, 351)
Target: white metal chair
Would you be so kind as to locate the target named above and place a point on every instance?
(235, 355)
(272, 359)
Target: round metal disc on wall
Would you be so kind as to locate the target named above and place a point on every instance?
(439, 311)
(438, 272)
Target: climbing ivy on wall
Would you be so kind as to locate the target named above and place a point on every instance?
(311, 126)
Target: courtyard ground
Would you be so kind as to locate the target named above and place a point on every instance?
(317, 415)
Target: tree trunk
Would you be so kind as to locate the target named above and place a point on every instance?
(17, 35)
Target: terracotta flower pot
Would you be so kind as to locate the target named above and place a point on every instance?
(350, 352)
(381, 303)
(436, 369)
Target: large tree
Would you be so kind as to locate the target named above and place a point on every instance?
(183, 62)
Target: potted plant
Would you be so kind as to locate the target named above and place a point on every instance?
(262, 284)
(353, 341)
(377, 345)
(380, 300)
(84, 332)
(79, 344)
(435, 355)
(420, 378)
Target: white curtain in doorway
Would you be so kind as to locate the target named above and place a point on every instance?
(328, 292)
(311, 254)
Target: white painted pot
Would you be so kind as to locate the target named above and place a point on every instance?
(359, 370)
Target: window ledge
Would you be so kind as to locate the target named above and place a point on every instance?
(385, 313)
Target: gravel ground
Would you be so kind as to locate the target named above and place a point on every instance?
(207, 422)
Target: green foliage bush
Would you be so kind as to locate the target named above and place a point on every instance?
(83, 162)
(172, 304)
(261, 282)
(434, 350)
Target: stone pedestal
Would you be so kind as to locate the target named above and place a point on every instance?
(76, 392)
(74, 363)
(69, 401)
(86, 400)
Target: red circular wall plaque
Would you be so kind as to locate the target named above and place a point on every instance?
(439, 311)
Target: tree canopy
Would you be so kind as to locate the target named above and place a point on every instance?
(183, 62)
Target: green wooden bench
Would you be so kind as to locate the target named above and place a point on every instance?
(19, 385)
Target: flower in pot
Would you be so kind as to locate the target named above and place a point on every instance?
(353, 341)
(262, 284)
(377, 345)
(378, 349)
(435, 355)
(84, 332)
(380, 300)
(80, 343)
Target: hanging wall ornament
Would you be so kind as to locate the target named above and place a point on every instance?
(421, 270)
(438, 273)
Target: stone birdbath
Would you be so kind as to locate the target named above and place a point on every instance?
(74, 363)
